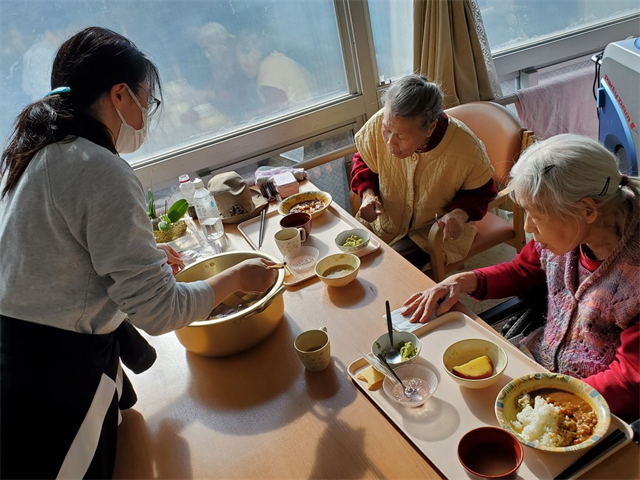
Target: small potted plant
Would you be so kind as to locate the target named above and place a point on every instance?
(169, 226)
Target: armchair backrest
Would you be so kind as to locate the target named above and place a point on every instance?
(499, 130)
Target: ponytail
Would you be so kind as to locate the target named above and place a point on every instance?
(43, 123)
(632, 183)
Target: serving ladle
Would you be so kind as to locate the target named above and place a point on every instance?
(407, 390)
(393, 356)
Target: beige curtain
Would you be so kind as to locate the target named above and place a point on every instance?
(448, 48)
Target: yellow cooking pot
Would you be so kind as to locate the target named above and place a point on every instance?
(240, 331)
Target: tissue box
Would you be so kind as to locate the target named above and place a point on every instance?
(286, 184)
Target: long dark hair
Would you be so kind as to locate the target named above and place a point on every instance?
(89, 64)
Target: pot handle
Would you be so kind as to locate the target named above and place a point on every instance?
(266, 305)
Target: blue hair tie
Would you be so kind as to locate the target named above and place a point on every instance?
(58, 91)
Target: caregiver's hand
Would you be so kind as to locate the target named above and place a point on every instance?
(454, 223)
(254, 276)
(173, 257)
(445, 294)
(371, 207)
(249, 276)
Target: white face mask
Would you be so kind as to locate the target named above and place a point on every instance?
(129, 139)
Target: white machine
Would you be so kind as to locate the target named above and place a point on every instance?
(618, 100)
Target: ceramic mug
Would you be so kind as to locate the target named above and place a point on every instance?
(297, 220)
(313, 349)
(289, 239)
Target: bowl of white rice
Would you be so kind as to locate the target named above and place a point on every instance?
(553, 412)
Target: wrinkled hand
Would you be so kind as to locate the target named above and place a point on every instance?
(440, 297)
(370, 209)
(173, 258)
(453, 223)
(254, 277)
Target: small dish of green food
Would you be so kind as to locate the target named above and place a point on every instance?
(353, 240)
(406, 343)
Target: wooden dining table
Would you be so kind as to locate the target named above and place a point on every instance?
(260, 415)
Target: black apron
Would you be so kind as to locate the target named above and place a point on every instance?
(61, 395)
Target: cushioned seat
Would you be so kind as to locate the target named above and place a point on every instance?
(491, 229)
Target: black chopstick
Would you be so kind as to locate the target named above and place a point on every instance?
(262, 214)
(594, 452)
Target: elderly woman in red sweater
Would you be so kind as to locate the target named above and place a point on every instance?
(414, 162)
(585, 220)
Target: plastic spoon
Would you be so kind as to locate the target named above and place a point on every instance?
(393, 356)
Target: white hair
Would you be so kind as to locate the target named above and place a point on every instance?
(554, 175)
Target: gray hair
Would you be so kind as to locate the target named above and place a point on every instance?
(414, 96)
(554, 175)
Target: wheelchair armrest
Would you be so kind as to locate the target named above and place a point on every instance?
(514, 305)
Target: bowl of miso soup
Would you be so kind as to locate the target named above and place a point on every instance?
(338, 270)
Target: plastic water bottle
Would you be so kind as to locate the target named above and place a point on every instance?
(207, 211)
(187, 188)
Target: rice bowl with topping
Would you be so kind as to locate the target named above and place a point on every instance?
(550, 422)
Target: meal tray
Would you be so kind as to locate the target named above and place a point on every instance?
(436, 427)
(324, 230)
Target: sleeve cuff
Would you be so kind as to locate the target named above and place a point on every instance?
(366, 184)
(203, 298)
(481, 291)
(472, 212)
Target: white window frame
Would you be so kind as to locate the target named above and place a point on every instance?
(561, 48)
(293, 130)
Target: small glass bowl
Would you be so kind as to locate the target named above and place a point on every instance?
(303, 259)
(406, 373)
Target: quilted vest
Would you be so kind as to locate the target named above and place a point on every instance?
(415, 188)
(584, 320)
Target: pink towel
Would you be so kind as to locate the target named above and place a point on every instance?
(563, 104)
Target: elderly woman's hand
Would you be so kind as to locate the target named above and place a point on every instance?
(442, 296)
(371, 208)
(454, 223)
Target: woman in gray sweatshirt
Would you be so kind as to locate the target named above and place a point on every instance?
(77, 256)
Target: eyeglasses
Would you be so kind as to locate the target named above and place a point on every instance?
(153, 104)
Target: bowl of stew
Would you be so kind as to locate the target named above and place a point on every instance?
(314, 203)
(553, 412)
(240, 321)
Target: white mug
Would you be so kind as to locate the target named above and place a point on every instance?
(313, 349)
(290, 239)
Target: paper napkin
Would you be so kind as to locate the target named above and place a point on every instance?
(402, 324)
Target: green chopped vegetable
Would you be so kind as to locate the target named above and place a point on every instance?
(353, 241)
(407, 351)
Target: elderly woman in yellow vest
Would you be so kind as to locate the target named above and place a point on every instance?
(414, 162)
